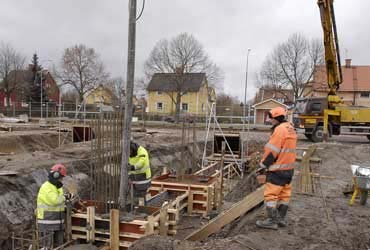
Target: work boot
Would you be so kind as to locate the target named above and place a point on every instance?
(281, 220)
(271, 221)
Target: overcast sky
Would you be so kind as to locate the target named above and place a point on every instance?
(226, 28)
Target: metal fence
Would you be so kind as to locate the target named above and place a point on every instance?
(73, 110)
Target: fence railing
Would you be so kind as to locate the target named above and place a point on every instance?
(225, 114)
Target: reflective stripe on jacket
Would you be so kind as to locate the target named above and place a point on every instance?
(282, 145)
(141, 163)
(50, 205)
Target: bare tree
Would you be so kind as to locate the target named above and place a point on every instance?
(292, 64)
(117, 86)
(10, 61)
(81, 68)
(181, 55)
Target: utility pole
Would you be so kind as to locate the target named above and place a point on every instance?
(244, 111)
(123, 188)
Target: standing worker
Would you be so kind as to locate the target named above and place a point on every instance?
(51, 207)
(139, 170)
(278, 164)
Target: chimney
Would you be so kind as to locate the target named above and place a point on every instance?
(348, 63)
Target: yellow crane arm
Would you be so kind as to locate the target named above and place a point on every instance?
(332, 56)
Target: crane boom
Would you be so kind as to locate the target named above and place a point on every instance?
(332, 55)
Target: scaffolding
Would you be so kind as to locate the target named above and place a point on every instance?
(212, 122)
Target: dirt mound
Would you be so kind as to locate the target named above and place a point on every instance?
(23, 142)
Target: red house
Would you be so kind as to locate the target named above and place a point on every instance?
(21, 80)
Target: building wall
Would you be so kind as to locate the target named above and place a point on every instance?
(261, 109)
(197, 101)
(349, 98)
(14, 100)
(99, 95)
(260, 116)
(52, 88)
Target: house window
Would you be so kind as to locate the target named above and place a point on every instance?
(365, 94)
(159, 92)
(282, 100)
(316, 107)
(185, 107)
(159, 105)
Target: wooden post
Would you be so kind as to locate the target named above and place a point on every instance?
(194, 161)
(68, 222)
(150, 228)
(163, 221)
(90, 237)
(114, 229)
(190, 203)
(222, 173)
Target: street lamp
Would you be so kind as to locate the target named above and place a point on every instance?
(245, 103)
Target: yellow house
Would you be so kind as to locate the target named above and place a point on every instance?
(196, 98)
(100, 95)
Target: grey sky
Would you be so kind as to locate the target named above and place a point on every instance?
(226, 28)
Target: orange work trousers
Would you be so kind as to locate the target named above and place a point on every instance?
(275, 194)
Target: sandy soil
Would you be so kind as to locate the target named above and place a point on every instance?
(323, 220)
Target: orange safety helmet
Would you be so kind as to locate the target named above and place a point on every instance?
(59, 169)
(276, 112)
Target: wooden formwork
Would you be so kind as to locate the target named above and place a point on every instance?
(91, 226)
(200, 191)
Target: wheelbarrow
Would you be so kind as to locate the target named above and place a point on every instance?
(361, 181)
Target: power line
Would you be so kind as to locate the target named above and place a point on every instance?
(141, 12)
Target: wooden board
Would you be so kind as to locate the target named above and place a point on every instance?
(114, 229)
(238, 209)
(4, 173)
(312, 159)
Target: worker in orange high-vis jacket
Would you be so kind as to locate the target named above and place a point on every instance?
(278, 163)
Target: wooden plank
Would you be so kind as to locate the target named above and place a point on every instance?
(163, 221)
(206, 168)
(150, 228)
(307, 148)
(114, 229)
(312, 159)
(91, 224)
(238, 209)
(190, 203)
(5, 173)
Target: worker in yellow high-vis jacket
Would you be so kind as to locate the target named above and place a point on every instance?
(139, 169)
(51, 208)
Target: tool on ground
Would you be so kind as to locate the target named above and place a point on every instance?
(361, 180)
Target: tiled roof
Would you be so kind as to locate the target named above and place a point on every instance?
(355, 78)
(168, 82)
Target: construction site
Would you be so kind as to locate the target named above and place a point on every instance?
(188, 206)
(110, 179)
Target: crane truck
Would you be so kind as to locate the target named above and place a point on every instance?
(320, 117)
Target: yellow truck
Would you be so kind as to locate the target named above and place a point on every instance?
(320, 117)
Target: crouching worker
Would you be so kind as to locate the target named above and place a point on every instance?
(51, 208)
(278, 164)
(139, 170)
